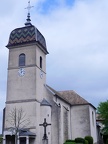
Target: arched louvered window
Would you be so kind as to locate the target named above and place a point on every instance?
(22, 60)
(93, 118)
(40, 62)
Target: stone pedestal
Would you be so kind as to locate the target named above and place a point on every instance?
(18, 142)
(45, 141)
(27, 140)
(4, 141)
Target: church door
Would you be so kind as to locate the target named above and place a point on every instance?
(22, 140)
(10, 139)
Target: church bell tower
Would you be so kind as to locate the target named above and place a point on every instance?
(26, 74)
(27, 63)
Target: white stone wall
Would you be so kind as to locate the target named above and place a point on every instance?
(21, 88)
(27, 91)
(45, 113)
(59, 126)
(31, 84)
(29, 111)
(92, 112)
(80, 123)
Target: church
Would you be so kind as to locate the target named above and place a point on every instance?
(54, 116)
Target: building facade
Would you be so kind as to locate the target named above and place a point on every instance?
(53, 116)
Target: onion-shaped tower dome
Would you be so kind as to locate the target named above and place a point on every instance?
(27, 35)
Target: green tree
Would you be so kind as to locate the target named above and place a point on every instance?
(102, 110)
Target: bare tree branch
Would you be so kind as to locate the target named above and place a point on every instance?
(17, 119)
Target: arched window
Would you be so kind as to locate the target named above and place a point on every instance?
(22, 60)
(93, 118)
(40, 62)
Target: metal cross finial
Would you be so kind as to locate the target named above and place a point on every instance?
(28, 16)
(29, 7)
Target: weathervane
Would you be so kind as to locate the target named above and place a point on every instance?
(28, 15)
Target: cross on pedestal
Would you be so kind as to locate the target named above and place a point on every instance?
(45, 124)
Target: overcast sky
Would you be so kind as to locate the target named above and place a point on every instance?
(76, 32)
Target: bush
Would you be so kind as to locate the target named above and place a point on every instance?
(80, 140)
(69, 142)
(106, 141)
(89, 139)
(1, 140)
(86, 141)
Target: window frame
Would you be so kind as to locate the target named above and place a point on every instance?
(40, 62)
(22, 60)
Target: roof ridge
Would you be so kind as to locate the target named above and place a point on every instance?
(65, 90)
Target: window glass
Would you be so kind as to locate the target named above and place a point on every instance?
(93, 118)
(40, 62)
(22, 60)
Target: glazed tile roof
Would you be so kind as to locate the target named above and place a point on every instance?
(26, 35)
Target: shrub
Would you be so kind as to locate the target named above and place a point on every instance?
(1, 140)
(69, 142)
(106, 141)
(89, 139)
(86, 141)
(80, 140)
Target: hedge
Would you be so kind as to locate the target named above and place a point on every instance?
(89, 139)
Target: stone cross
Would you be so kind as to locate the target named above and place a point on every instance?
(45, 124)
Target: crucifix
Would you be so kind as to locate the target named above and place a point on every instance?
(45, 124)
